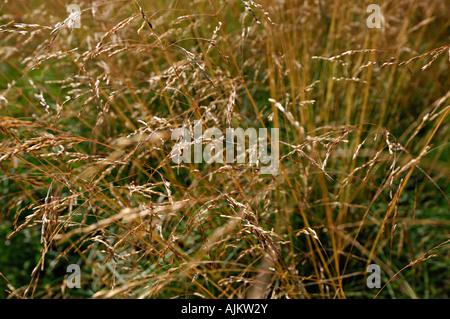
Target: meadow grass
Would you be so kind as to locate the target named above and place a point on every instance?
(86, 177)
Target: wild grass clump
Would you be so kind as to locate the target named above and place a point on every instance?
(86, 117)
